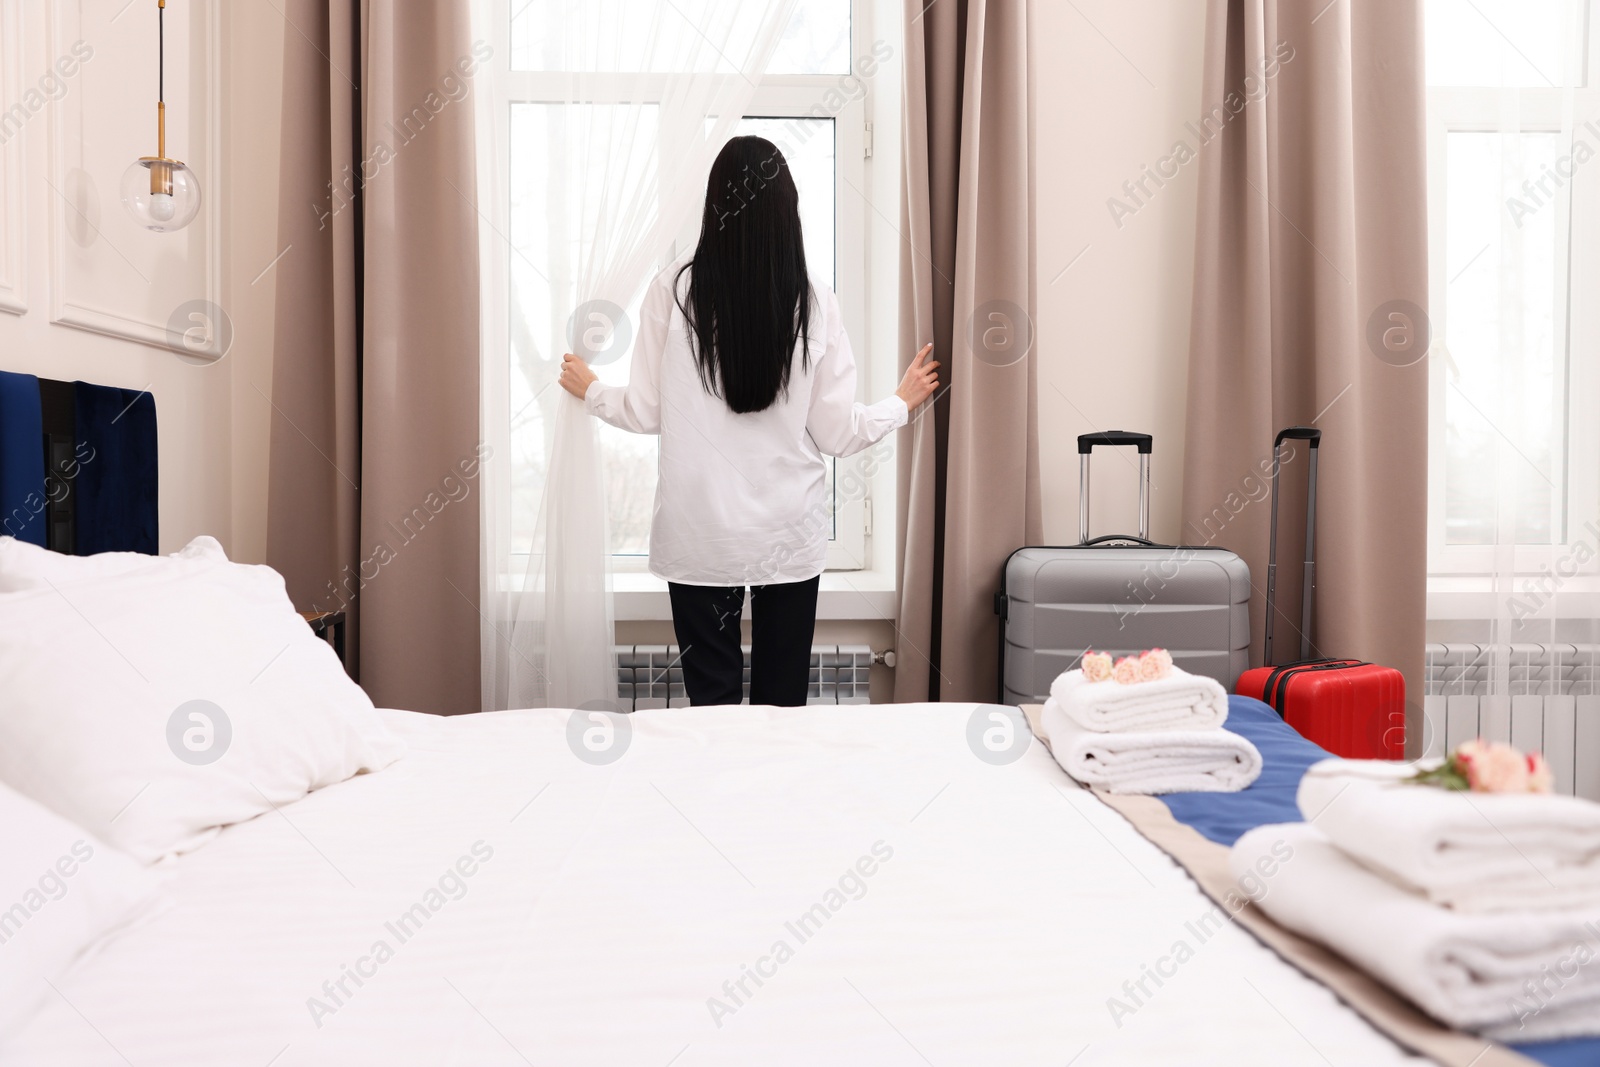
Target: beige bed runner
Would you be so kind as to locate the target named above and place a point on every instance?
(1207, 863)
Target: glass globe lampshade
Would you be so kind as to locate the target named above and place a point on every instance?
(161, 194)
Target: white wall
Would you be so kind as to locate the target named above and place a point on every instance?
(1116, 82)
(78, 256)
(74, 260)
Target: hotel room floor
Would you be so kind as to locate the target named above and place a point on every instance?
(613, 913)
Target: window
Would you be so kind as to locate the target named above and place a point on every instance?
(813, 104)
(1513, 127)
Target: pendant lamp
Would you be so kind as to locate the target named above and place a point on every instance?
(161, 194)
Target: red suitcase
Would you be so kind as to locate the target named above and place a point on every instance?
(1352, 709)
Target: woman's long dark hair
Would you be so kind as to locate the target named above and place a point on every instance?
(749, 296)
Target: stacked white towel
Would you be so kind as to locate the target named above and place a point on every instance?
(1162, 736)
(1514, 976)
(1180, 701)
(1469, 851)
(1152, 761)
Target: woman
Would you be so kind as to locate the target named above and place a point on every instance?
(743, 367)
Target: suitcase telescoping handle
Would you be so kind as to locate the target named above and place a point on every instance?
(1313, 437)
(1114, 438)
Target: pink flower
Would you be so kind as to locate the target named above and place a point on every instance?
(1539, 777)
(1492, 767)
(1097, 666)
(1126, 671)
(1489, 767)
(1156, 663)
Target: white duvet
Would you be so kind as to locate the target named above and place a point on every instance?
(744, 886)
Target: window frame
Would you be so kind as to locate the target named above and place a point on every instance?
(1456, 569)
(847, 99)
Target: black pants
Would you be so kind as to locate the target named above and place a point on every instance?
(782, 619)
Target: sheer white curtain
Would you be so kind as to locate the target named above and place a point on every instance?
(1515, 444)
(595, 144)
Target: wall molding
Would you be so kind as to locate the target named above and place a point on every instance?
(13, 191)
(70, 305)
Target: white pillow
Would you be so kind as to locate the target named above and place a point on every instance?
(154, 704)
(25, 566)
(61, 893)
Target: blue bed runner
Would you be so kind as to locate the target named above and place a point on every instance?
(1285, 756)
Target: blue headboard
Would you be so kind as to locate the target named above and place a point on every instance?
(78, 465)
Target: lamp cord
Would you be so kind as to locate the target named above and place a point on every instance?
(161, 53)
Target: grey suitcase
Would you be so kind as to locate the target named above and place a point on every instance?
(1119, 594)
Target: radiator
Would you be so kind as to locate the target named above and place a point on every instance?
(649, 676)
(1544, 698)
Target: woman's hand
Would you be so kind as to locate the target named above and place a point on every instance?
(576, 377)
(920, 381)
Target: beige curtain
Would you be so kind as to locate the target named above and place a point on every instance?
(1310, 277)
(315, 463)
(377, 342)
(968, 464)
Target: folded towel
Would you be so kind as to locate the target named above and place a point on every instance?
(1151, 761)
(1513, 977)
(1470, 851)
(1180, 701)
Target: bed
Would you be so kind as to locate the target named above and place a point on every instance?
(218, 851)
(744, 885)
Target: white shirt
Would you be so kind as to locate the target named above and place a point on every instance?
(741, 499)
